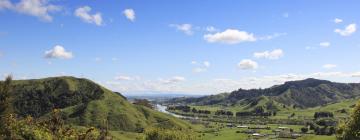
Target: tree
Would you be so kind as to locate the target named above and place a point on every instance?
(194, 110)
(5, 88)
(304, 129)
(350, 130)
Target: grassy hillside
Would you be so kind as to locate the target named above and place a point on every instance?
(301, 94)
(84, 103)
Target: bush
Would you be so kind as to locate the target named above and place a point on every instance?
(304, 129)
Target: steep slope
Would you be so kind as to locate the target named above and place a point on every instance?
(303, 93)
(84, 103)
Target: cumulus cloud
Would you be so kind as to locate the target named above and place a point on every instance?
(275, 54)
(337, 20)
(185, 28)
(247, 64)
(325, 44)
(201, 67)
(329, 66)
(349, 30)
(84, 14)
(58, 52)
(129, 14)
(37, 8)
(230, 36)
(5, 4)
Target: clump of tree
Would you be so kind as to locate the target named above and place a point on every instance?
(304, 129)
(323, 124)
(5, 88)
(350, 129)
(194, 110)
(168, 134)
(51, 128)
(323, 115)
(224, 112)
(257, 111)
(143, 102)
(180, 107)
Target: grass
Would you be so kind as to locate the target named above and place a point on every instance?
(100, 107)
(231, 133)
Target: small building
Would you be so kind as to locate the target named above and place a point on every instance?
(230, 125)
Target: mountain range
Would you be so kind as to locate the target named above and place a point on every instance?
(303, 94)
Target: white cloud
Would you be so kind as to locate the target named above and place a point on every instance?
(207, 64)
(211, 29)
(58, 52)
(275, 54)
(220, 85)
(186, 28)
(84, 14)
(230, 36)
(349, 30)
(37, 8)
(129, 14)
(337, 20)
(124, 78)
(329, 66)
(201, 67)
(114, 59)
(309, 48)
(269, 37)
(98, 59)
(173, 80)
(356, 74)
(325, 44)
(248, 64)
(5, 4)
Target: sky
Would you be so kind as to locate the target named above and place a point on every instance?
(140, 47)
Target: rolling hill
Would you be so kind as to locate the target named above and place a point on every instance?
(84, 103)
(306, 93)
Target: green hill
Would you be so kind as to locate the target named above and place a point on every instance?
(84, 103)
(306, 93)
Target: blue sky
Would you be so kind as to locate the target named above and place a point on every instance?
(191, 47)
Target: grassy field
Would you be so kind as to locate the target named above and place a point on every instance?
(219, 131)
(284, 113)
(226, 133)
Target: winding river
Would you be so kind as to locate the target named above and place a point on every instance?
(162, 108)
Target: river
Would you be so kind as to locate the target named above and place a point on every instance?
(162, 108)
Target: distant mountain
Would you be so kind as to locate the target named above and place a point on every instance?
(303, 93)
(84, 103)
